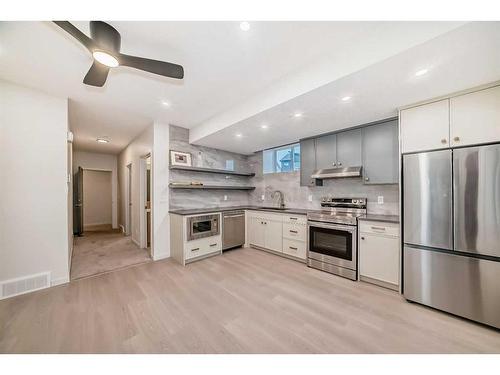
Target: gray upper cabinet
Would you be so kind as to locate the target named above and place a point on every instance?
(380, 153)
(307, 161)
(349, 148)
(326, 151)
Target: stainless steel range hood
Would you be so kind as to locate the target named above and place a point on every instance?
(337, 173)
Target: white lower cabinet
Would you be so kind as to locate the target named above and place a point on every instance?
(379, 253)
(277, 232)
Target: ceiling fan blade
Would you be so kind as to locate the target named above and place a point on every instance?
(105, 36)
(97, 74)
(75, 33)
(153, 66)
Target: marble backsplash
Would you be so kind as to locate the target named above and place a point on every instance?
(298, 196)
(209, 158)
(289, 183)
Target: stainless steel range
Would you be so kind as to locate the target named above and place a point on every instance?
(332, 236)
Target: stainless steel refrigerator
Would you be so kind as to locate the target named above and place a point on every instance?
(451, 221)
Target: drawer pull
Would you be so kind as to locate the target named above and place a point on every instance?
(293, 231)
(293, 248)
(378, 228)
(362, 238)
(293, 218)
(196, 249)
(212, 245)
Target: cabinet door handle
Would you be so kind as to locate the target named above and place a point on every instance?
(293, 231)
(362, 238)
(212, 245)
(292, 248)
(293, 218)
(456, 139)
(196, 249)
(339, 163)
(443, 141)
(334, 164)
(367, 179)
(378, 228)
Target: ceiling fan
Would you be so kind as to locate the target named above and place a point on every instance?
(104, 45)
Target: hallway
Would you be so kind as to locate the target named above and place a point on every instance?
(102, 251)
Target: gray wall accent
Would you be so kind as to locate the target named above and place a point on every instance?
(297, 196)
(211, 158)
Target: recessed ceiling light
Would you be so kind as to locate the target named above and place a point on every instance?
(165, 103)
(264, 126)
(239, 135)
(421, 72)
(105, 59)
(346, 98)
(245, 26)
(102, 140)
(298, 114)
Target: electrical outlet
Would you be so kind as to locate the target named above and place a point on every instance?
(380, 199)
(310, 198)
(225, 197)
(262, 197)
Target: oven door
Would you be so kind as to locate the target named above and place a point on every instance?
(333, 244)
(202, 226)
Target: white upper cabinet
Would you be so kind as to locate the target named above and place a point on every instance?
(475, 117)
(425, 127)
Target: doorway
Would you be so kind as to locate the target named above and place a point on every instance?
(146, 207)
(97, 200)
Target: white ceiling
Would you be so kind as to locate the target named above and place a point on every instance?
(224, 67)
(465, 57)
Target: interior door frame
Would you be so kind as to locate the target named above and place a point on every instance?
(128, 201)
(142, 201)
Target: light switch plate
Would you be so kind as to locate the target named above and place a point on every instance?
(380, 199)
(262, 197)
(310, 198)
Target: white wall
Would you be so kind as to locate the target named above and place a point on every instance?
(160, 180)
(94, 160)
(154, 140)
(139, 147)
(96, 198)
(33, 184)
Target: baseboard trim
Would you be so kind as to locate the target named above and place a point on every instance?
(160, 257)
(59, 281)
(136, 242)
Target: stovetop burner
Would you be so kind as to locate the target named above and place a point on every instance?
(339, 210)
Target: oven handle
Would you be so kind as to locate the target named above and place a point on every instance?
(345, 228)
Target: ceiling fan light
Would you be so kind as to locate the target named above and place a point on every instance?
(105, 59)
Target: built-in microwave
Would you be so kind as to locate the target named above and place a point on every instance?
(203, 226)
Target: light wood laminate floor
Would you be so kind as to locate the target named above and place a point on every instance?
(103, 251)
(245, 301)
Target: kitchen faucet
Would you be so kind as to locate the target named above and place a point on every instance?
(281, 200)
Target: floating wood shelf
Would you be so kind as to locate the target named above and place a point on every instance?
(211, 170)
(212, 187)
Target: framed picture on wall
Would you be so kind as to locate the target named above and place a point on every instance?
(180, 158)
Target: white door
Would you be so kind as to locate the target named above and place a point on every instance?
(425, 127)
(379, 257)
(256, 232)
(274, 234)
(475, 117)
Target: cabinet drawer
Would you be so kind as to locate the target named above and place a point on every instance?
(377, 227)
(294, 248)
(205, 246)
(295, 219)
(294, 231)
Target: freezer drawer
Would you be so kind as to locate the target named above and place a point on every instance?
(476, 182)
(427, 189)
(461, 285)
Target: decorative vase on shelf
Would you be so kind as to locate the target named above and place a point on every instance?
(199, 159)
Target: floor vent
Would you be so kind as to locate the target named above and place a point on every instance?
(21, 285)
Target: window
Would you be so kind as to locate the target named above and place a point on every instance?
(282, 159)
